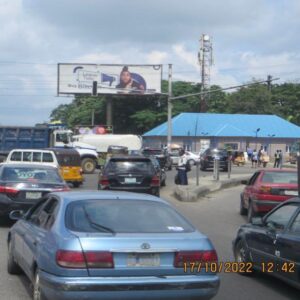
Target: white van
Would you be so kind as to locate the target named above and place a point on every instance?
(46, 157)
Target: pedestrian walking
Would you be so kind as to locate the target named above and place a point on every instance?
(280, 159)
(181, 168)
(276, 159)
(259, 154)
(254, 159)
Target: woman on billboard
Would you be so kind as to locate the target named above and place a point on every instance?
(131, 82)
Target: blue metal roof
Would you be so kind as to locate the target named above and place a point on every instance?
(227, 125)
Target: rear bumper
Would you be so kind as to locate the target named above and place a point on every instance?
(7, 205)
(168, 287)
(148, 190)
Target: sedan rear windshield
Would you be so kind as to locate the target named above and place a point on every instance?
(280, 177)
(153, 152)
(124, 216)
(130, 166)
(30, 174)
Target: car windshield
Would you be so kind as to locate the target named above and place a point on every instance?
(30, 174)
(280, 177)
(130, 166)
(120, 217)
(219, 152)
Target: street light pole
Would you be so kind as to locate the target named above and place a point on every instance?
(169, 138)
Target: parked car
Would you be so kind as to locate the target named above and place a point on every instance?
(266, 189)
(22, 185)
(161, 173)
(110, 245)
(192, 158)
(129, 173)
(161, 154)
(209, 155)
(271, 244)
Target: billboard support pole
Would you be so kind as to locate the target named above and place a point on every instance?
(109, 110)
(169, 139)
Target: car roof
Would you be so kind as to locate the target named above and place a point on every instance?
(279, 170)
(32, 150)
(129, 157)
(105, 195)
(29, 164)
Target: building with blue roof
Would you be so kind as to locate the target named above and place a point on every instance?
(196, 131)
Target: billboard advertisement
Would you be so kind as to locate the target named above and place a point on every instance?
(111, 79)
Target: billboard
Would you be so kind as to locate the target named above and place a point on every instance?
(111, 79)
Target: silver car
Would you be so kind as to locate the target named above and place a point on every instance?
(110, 245)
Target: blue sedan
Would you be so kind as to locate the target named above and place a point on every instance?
(110, 245)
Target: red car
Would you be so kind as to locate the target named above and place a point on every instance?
(266, 189)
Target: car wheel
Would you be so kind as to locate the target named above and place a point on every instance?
(191, 162)
(251, 213)
(163, 183)
(243, 210)
(37, 293)
(88, 165)
(242, 257)
(12, 267)
(76, 184)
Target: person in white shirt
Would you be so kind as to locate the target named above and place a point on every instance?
(181, 168)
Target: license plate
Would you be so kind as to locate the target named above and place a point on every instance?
(143, 260)
(33, 195)
(130, 180)
(291, 193)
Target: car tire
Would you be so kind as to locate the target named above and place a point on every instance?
(12, 267)
(241, 256)
(163, 183)
(76, 184)
(191, 162)
(88, 165)
(37, 293)
(243, 210)
(251, 213)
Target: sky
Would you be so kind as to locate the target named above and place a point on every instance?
(250, 39)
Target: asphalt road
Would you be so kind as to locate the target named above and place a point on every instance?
(215, 215)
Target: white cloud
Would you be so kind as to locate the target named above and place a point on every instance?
(156, 57)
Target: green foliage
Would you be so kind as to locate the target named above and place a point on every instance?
(138, 114)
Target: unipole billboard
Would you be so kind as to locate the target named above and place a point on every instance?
(111, 79)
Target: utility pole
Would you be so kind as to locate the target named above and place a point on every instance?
(269, 81)
(205, 58)
(169, 139)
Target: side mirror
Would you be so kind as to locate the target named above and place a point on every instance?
(16, 215)
(271, 227)
(244, 182)
(257, 221)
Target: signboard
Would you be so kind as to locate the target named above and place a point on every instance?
(111, 79)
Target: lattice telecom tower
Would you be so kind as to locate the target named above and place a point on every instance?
(205, 58)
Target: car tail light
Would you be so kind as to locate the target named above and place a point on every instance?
(80, 260)
(104, 181)
(264, 190)
(99, 259)
(184, 257)
(70, 259)
(8, 190)
(80, 171)
(155, 181)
